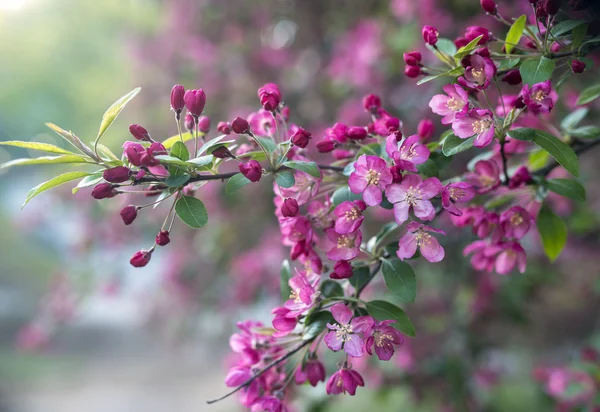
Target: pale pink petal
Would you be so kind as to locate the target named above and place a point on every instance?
(372, 195)
(407, 247)
(432, 251)
(341, 313)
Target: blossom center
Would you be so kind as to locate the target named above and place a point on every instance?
(456, 193)
(413, 195)
(295, 295)
(373, 177)
(516, 219)
(344, 241)
(538, 96)
(423, 238)
(380, 338)
(351, 214)
(455, 104)
(481, 126)
(343, 333)
(478, 75)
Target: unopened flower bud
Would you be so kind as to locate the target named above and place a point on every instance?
(412, 71)
(513, 77)
(290, 207)
(252, 170)
(425, 129)
(128, 214)
(222, 152)
(118, 174)
(140, 174)
(412, 58)
(189, 122)
(195, 101)
(341, 270)
(397, 135)
(326, 146)
(371, 103)
(301, 138)
(396, 172)
(577, 66)
(162, 239)
(204, 124)
(139, 132)
(240, 126)
(103, 190)
(356, 133)
(141, 258)
(360, 204)
(177, 102)
(430, 35)
(489, 6)
(224, 127)
(269, 96)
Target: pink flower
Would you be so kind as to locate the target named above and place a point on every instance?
(262, 123)
(485, 176)
(520, 177)
(344, 380)
(346, 245)
(413, 193)
(384, 338)
(411, 152)
(476, 122)
(430, 35)
(538, 97)
(305, 187)
(459, 192)
(511, 255)
(195, 101)
(370, 177)
(349, 216)
(515, 222)
(473, 32)
(346, 333)
(479, 73)
(312, 371)
(417, 236)
(455, 101)
(302, 297)
(268, 404)
(237, 375)
(341, 270)
(484, 255)
(489, 225)
(252, 170)
(269, 96)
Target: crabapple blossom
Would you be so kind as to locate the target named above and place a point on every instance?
(370, 177)
(347, 332)
(449, 105)
(417, 236)
(312, 371)
(349, 216)
(383, 337)
(475, 122)
(459, 192)
(346, 246)
(515, 222)
(538, 98)
(413, 193)
(484, 177)
(345, 380)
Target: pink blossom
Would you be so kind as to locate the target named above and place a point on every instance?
(512, 254)
(341, 270)
(305, 187)
(459, 192)
(262, 123)
(268, 404)
(346, 246)
(344, 380)
(349, 216)
(417, 236)
(538, 98)
(489, 225)
(478, 73)
(312, 371)
(384, 337)
(450, 104)
(411, 153)
(370, 177)
(346, 333)
(484, 255)
(303, 295)
(476, 122)
(413, 193)
(485, 176)
(515, 222)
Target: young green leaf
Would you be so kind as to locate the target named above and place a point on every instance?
(400, 279)
(514, 33)
(267, 143)
(454, 144)
(235, 183)
(46, 160)
(565, 27)
(113, 111)
(578, 35)
(106, 152)
(308, 167)
(180, 151)
(285, 178)
(589, 94)
(210, 143)
(567, 187)
(572, 120)
(552, 231)
(535, 71)
(382, 310)
(468, 48)
(177, 180)
(331, 288)
(168, 143)
(455, 72)
(586, 132)
(73, 140)
(55, 181)
(191, 211)
(88, 181)
(43, 147)
(316, 323)
(284, 278)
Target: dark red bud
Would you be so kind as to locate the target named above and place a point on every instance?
(290, 207)
(139, 132)
(371, 103)
(103, 190)
(222, 152)
(195, 101)
(341, 270)
(240, 126)
(519, 103)
(425, 129)
(269, 96)
(397, 135)
(118, 174)
(326, 146)
(128, 214)
(577, 66)
(513, 77)
(396, 174)
(252, 170)
(412, 58)
(204, 124)
(189, 122)
(301, 138)
(412, 71)
(489, 6)
(356, 132)
(162, 239)
(430, 35)
(141, 258)
(177, 102)
(224, 127)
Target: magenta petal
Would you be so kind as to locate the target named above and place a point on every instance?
(341, 313)
(332, 341)
(362, 324)
(395, 193)
(432, 251)
(385, 351)
(372, 195)
(430, 188)
(357, 183)
(424, 210)
(407, 247)
(484, 139)
(354, 346)
(505, 262)
(401, 212)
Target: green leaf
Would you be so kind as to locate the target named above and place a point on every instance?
(191, 211)
(371, 149)
(44, 147)
(177, 181)
(180, 151)
(308, 167)
(235, 183)
(508, 63)
(343, 194)
(578, 35)
(113, 111)
(454, 144)
(538, 159)
(267, 143)
(331, 288)
(586, 132)
(467, 48)
(348, 169)
(285, 276)
(385, 231)
(567, 187)
(589, 94)
(46, 160)
(168, 143)
(316, 323)
(455, 72)
(552, 231)
(559, 150)
(400, 279)
(573, 119)
(211, 143)
(73, 140)
(536, 71)
(103, 150)
(445, 46)
(170, 160)
(429, 169)
(565, 27)
(55, 181)
(514, 33)
(201, 161)
(382, 310)
(88, 181)
(285, 178)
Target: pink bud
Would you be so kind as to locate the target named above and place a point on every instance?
(140, 174)
(412, 71)
(360, 204)
(139, 132)
(177, 102)
(326, 146)
(396, 172)
(489, 6)
(412, 58)
(141, 258)
(224, 127)
(430, 35)
(371, 103)
(252, 170)
(103, 190)
(204, 124)
(512, 77)
(195, 101)
(118, 174)
(398, 135)
(162, 239)
(356, 133)
(189, 122)
(341, 270)
(473, 32)
(289, 208)
(577, 66)
(301, 138)
(240, 125)
(425, 129)
(269, 96)
(128, 214)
